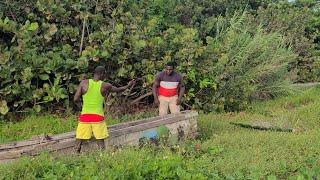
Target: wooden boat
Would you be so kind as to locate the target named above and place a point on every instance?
(178, 127)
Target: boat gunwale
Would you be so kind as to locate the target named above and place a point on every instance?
(113, 128)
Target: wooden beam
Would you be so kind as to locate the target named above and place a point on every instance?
(123, 133)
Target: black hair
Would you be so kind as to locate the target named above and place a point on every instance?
(172, 63)
(100, 70)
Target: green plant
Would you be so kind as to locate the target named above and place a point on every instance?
(225, 55)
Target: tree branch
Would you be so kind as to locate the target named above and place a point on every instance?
(82, 36)
(140, 98)
(130, 90)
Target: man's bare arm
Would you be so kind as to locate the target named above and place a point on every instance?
(182, 90)
(78, 92)
(120, 89)
(155, 87)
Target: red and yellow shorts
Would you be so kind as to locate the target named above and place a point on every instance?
(91, 124)
(85, 130)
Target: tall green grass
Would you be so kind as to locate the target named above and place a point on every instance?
(35, 125)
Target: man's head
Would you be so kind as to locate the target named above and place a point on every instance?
(100, 72)
(170, 67)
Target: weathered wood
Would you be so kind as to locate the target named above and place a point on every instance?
(72, 134)
(120, 134)
(147, 125)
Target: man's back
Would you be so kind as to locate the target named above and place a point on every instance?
(91, 120)
(93, 99)
(92, 108)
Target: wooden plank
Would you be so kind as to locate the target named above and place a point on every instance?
(145, 126)
(167, 120)
(72, 134)
(114, 133)
(125, 133)
(10, 155)
(187, 114)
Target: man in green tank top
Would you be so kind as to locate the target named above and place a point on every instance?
(91, 120)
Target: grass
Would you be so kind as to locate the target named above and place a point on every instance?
(227, 151)
(35, 125)
(267, 152)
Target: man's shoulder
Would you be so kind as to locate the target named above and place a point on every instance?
(177, 75)
(162, 73)
(106, 84)
(84, 81)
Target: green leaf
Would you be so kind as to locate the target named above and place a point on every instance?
(272, 177)
(192, 75)
(300, 177)
(53, 29)
(37, 108)
(119, 28)
(33, 26)
(149, 78)
(44, 77)
(4, 57)
(204, 83)
(48, 98)
(141, 44)
(57, 80)
(121, 72)
(105, 54)
(37, 94)
(215, 150)
(162, 131)
(6, 20)
(27, 74)
(4, 109)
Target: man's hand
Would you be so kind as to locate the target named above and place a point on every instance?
(156, 101)
(178, 101)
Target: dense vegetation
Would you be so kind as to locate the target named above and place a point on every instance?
(223, 151)
(230, 52)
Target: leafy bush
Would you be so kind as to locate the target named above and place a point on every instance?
(299, 23)
(246, 65)
(47, 48)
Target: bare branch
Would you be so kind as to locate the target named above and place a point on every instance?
(140, 98)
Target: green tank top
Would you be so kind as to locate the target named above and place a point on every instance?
(93, 99)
